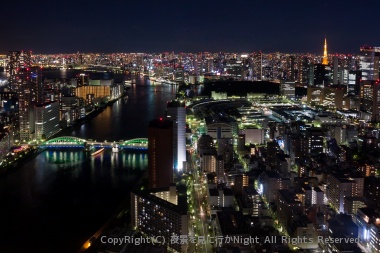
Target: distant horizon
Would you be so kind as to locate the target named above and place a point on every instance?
(188, 52)
(293, 27)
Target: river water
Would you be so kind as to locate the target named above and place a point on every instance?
(56, 201)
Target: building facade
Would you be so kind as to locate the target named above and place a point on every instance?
(160, 153)
(176, 112)
(22, 82)
(161, 212)
(46, 120)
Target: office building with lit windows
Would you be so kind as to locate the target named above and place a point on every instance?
(315, 138)
(375, 236)
(46, 119)
(339, 188)
(208, 162)
(251, 201)
(99, 91)
(70, 109)
(161, 212)
(268, 184)
(369, 63)
(368, 222)
(370, 98)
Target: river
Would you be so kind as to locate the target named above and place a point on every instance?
(56, 201)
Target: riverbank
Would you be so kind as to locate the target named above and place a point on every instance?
(119, 222)
(23, 158)
(90, 116)
(29, 154)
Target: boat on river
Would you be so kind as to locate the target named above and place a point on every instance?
(128, 83)
(98, 152)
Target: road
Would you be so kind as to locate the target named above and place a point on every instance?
(201, 217)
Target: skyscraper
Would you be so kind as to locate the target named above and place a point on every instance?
(160, 153)
(370, 98)
(369, 63)
(335, 69)
(321, 75)
(176, 112)
(257, 66)
(21, 82)
(325, 60)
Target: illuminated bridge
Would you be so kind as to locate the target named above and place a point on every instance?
(74, 142)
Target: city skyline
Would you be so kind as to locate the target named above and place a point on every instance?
(190, 127)
(202, 26)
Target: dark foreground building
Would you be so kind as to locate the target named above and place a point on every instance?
(160, 153)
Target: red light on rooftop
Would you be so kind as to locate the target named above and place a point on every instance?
(160, 119)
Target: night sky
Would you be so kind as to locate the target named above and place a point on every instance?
(288, 26)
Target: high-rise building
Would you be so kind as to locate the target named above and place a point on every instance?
(333, 96)
(23, 82)
(176, 112)
(316, 138)
(370, 98)
(18, 67)
(160, 153)
(351, 82)
(336, 70)
(339, 188)
(321, 75)
(161, 213)
(368, 221)
(47, 119)
(179, 74)
(257, 67)
(369, 63)
(208, 162)
(240, 181)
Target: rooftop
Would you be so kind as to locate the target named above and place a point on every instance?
(181, 208)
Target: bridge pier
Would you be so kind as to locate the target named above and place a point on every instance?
(86, 147)
(115, 148)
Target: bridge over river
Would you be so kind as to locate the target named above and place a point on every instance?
(74, 142)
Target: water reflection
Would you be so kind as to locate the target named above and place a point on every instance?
(63, 159)
(123, 121)
(57, 200)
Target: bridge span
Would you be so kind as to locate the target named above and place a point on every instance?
(75, 142)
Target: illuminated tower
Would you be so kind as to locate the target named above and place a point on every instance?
(325, 61)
